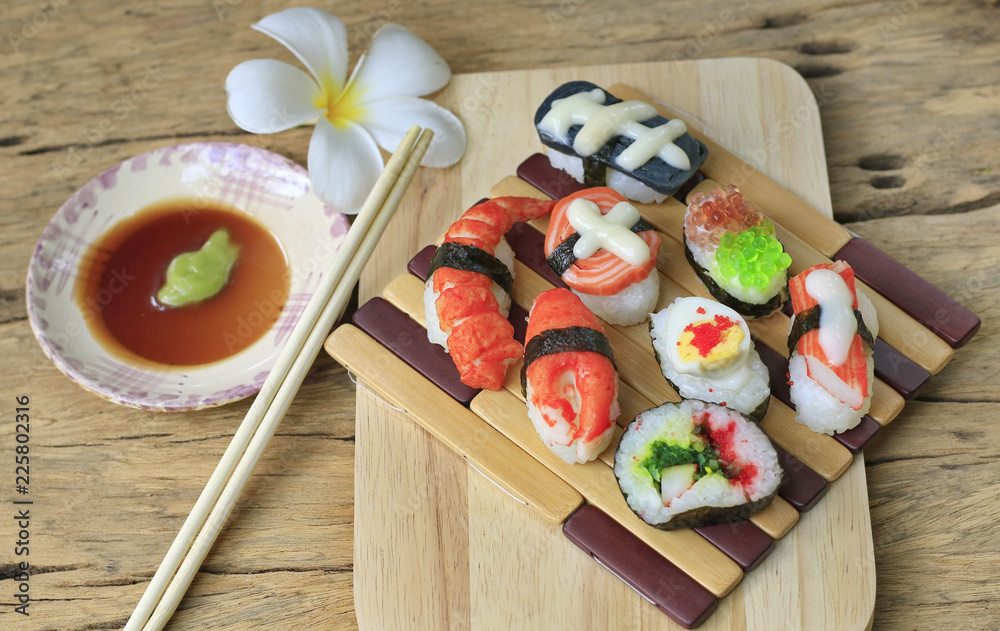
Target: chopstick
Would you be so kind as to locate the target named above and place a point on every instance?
(216, 502)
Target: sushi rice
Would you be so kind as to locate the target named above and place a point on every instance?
(621, 182)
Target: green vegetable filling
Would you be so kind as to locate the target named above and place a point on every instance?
(664, 455)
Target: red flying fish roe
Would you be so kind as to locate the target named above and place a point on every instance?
(707, 335)
(709, 216)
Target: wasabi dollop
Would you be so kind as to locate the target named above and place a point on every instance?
(194, 277)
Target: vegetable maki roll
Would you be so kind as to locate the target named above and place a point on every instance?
(705, 352)
(569, 378)
(690, 464)
(603, 141)
(733, 250)
(834, 328)
(606, 253)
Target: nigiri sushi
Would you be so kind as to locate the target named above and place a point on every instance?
(606, 253)
(603, 141)
(733, 250)
(705, 352)
(691, 464)
(569, 379)
(467, 293)
(832, 334)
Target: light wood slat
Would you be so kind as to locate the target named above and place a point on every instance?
(686, 549)
(825, 234)
(453, 424)
(772, 330)
(406, 293)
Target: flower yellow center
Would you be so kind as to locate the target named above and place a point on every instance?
(342, 106)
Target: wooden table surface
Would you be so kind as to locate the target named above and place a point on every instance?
(909, 103)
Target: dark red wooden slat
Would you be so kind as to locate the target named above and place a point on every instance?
(801, 486)
(903, 287)
(859, 436)
(672, 591)
(407, 340)
(742, 541)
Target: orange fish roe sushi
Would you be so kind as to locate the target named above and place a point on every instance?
(608, 260)
(733, 249)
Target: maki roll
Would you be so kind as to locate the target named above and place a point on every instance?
(569, 378)
(606, 253)
(733, 250)
(833, 330)
(467, 293)
(705, 352)
(603, 141)
(691, 464)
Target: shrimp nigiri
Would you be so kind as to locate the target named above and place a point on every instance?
(569, 379)
(467, 293)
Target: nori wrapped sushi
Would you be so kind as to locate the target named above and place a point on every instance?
(705, 352)
(652, 170)
(733, 250)
(691, 464)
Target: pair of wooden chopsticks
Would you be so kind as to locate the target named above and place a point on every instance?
(216, 502)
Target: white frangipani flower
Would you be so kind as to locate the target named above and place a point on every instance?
(375, 107)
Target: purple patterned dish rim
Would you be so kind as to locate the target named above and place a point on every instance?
(269, 187)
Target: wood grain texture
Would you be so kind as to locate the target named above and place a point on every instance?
(907, 107)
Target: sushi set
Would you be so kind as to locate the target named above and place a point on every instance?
(688, 439)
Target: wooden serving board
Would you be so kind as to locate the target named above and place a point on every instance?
(438, 545)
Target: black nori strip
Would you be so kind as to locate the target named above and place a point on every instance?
(562, 256)
(595, 173)
(471, 259)
(808, 320)
(655, 173)
(568, 340)
(745, 309)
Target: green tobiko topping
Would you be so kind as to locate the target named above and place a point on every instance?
(753, 256)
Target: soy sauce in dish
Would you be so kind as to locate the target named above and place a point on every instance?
(122, 271)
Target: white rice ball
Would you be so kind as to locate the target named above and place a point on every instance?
(625, 184)
(629, 306)
(816, 408)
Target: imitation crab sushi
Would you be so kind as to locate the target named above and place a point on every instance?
(606, 253)
(601, 140)
(467, 293)
(732, 248)
(705, 352)
(569, 379)
(690, 464)
(832, 334)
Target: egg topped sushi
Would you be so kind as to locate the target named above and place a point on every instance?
(690, 464)
(705, 352)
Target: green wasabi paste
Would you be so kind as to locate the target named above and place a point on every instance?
(193, 277)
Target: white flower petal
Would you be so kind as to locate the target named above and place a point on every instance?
(317, 38)
(267, 96)
(344, 163)
(389, 119)
(399, 64)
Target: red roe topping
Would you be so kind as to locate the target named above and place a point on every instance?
(707, 335)
(709, 216)
(700, 310)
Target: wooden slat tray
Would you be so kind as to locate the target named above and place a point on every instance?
(447, 562)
